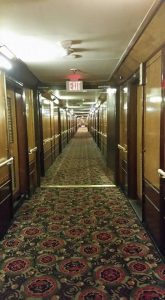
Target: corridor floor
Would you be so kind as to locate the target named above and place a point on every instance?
(78, 238)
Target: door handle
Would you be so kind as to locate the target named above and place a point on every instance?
(32, 150)
(161, 173)
(7, 162)
(124, 149)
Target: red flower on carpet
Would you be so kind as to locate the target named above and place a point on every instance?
(13, 243)
(76, 232)
(74, 266)
(160, 271)
(90, 250)
(138, 267)
(52, 243)
(92, 294)
(110, 274)
(32, 231)
(103, 236)
(43, 286)
(46, 259)
(135, 249)
(16, 265)
(149, 293)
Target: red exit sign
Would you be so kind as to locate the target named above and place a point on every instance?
(74, 85)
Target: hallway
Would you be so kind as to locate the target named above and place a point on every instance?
(77, 164)
(79, 238)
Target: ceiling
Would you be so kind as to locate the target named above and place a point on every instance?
(99, 31)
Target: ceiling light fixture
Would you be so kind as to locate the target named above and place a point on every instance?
(6, 52)
(5, 63)
(56, 101)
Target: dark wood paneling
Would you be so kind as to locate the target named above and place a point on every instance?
(162, 151)
(32, 175)
(111, 135)
(152, 194)
(124, 176)
(5, 206)
(22, 144)
(132, 141)
(47, 158)
(38, 134)
(21, 73)
(57, 149)
(152, 214)
(117, 177)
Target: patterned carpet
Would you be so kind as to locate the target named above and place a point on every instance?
(82, 244)
(77, 163)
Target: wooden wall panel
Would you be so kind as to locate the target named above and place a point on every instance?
(3, 125)
(112, 135)
(47, 133)
(22, 143)
(153, 213)
(139, 140)
(152, 120)
(6, 208)
(56, 130)
(132, 140)
(13, 140)
(28, 94)
(102, 138)
(123, 164)
(46, 119)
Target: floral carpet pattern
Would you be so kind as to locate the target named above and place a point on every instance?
(79, 243)
(77, 163)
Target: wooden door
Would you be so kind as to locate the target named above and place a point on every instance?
(13, 140)
(47, 134)
(57, 132)
(112, 134)
(104, 130)
(140, 90)
(22, 140)
(6, 207)
(122, 146)
(32, 149)
(52, 131)
(154, 151)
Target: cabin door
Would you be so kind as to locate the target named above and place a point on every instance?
(18, 146)
(22, 141)
(139, 141)
(154, 151)
(6, 162)
(32, 148)
(13, 141)
(122, 146)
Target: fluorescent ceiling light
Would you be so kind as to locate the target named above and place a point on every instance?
(5, 63)
(56, 101)
(88, 103)
(125, 90)
(111, 91)
(57, 93)
(31, 49)
(5, 51)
